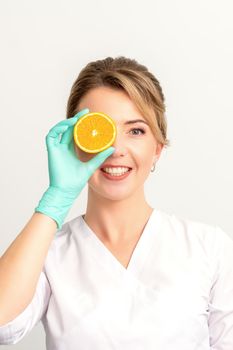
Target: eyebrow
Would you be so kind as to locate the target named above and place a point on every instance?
(135, 121)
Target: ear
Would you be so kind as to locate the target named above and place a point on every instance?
(159, 148)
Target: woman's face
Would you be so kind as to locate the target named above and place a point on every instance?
(135, 146)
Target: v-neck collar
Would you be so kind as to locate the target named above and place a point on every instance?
(140, 252)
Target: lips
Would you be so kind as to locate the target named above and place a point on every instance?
(116, 178)
(115, 166)
(127, 170)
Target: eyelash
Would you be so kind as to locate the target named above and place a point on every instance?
(143, 131)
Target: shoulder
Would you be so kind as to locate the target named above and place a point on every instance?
(194, 231)
(181, 223)
(205, 244)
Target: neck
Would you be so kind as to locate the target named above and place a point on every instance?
(116, 221)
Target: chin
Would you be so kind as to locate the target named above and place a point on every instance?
(117, 196)
(115, 191)
(114, 194)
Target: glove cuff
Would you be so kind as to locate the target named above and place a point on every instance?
(56, 204)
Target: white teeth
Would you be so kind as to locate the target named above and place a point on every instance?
(116, 171)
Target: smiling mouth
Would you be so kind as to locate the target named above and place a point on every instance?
(126, 170)
(116, 175)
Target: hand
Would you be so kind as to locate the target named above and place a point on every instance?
(67, 174)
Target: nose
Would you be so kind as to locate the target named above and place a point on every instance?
(120, 146)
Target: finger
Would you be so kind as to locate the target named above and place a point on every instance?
(55, 130)
(80, 113)
(53, 136)
(68, 135)
(95, 162)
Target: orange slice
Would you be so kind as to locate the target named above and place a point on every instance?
(94, 132)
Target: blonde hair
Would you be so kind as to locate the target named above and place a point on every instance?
(128, 75)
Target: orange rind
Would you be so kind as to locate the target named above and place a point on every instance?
(94, 132)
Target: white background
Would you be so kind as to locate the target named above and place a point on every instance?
(186, 44)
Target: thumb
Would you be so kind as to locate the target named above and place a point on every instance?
(95, 162)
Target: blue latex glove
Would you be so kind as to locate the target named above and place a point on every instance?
(67, 174)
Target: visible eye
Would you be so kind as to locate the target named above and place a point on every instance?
(142, 130)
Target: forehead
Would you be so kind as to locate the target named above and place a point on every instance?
(114, 102)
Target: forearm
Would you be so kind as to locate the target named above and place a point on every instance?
(21, 265)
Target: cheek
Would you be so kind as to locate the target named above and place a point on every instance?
(144, 154)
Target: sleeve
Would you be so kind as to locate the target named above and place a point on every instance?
(13, 331)
(220, 319)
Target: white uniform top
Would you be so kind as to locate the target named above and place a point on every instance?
(176, 293)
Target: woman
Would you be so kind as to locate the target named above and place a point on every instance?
(123, 275)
